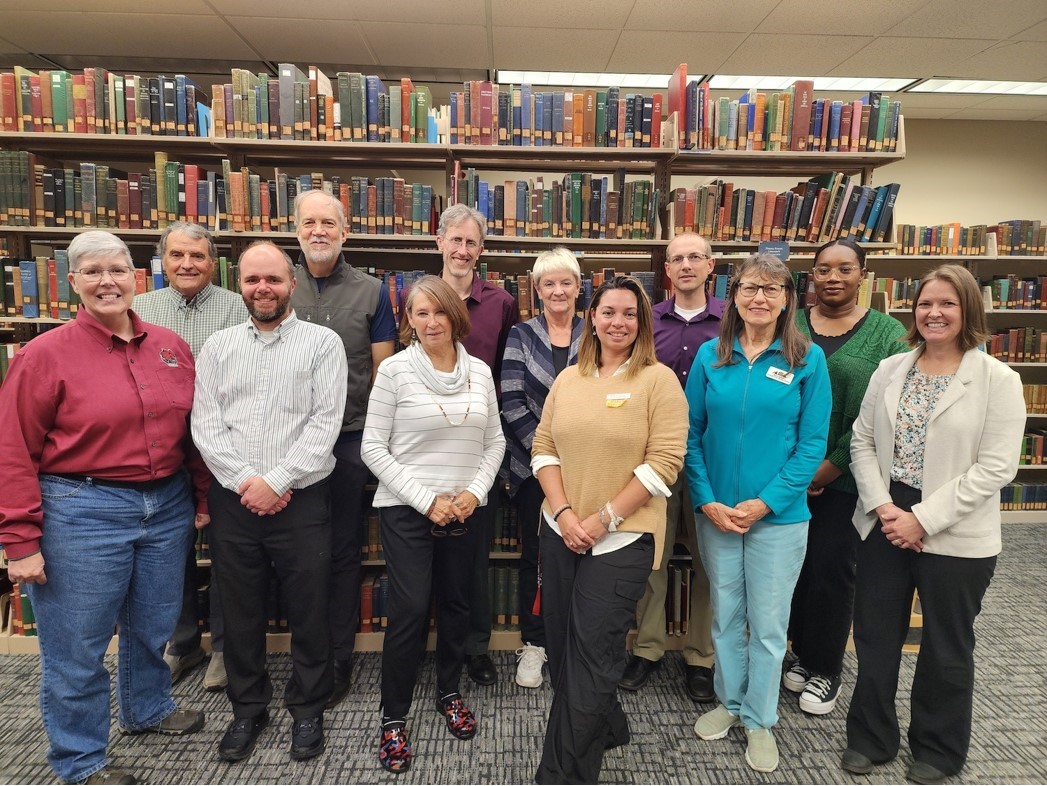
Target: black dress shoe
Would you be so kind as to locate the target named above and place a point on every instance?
(239, 740)
(856, 762)
(343, 678)
(637, 672)
(921, 772)
(698, 680)
(307, 738)
(482, 669)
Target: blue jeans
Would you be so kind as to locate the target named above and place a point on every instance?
(751, 582)
(111, 556)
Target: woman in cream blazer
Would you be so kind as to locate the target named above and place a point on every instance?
(938, 436)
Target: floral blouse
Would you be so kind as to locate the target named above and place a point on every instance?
(920, 395)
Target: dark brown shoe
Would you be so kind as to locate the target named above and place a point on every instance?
(637, 672)
(178, 724)
(110, 775)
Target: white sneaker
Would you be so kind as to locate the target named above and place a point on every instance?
(796, 678)
(529, 669)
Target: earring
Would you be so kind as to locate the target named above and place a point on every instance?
(414, 335)
(594, 332)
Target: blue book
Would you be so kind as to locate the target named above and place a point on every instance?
(203, 120)
(539, 118)
(30, 295)
(874, 213)
(816, 124)
(526, 109)
(483, 200)
(454, 117)
(557, 118)
(835, 110)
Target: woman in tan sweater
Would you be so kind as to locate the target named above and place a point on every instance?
(611, 441)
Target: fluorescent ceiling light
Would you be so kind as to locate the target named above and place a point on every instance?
(860, 84)
(986, 87)
(572, 79)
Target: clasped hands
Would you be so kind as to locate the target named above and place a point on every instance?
(580, 535)
(453, 507)
(257, 496)
(737, 519)
(902, 529)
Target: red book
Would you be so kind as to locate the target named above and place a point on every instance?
(38, 103)
(52, 288)
(134, 200)
(678, 99)
(131, 103)
(803, 99)
(656, 120)
(79, 104)
(8, 102)
(486, 113)
(475, 112)
(193, 174)
(406, 88)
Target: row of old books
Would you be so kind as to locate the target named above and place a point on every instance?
(1035, 399)
(581, 205)
(1023, 496)
(1014, 292)
(1019, 345)
(678, 597)
(791, 119)
(830, 206)
(1034, 447)
(21, 619)
(7, 354)
(97, 101)
(1018, 237)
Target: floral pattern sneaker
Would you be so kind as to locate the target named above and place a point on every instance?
(394, 747)
(460, 719)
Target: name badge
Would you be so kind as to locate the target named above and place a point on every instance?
(615, 400)
(780, 375)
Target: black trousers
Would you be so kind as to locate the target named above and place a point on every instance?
(296, 543)
(348, 524)
(528, 500)
(186, 636)
(589, 607)
(823, 600)
(951, 591)
(478, 636)
(416, 562)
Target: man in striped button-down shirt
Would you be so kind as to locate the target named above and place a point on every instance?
(270, 395)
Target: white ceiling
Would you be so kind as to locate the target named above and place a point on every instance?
(437, 42)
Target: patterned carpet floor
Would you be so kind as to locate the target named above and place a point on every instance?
(1009, 743)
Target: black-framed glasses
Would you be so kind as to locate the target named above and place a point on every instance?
(449, 531)
(769, 290)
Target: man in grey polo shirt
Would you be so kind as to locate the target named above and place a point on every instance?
(194, 308)
(354, 305)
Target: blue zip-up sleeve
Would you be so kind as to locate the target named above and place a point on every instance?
(812, 434)
(694, 464)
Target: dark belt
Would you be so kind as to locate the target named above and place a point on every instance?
(134, 485)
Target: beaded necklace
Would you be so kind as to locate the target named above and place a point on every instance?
(469, 406)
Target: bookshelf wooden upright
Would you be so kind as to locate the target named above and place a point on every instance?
(513, 254)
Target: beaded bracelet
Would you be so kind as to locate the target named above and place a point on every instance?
(561, 509)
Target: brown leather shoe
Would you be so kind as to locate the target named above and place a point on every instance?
(110, 775)
(178, 724)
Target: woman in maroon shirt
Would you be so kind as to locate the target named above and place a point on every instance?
(98, 508)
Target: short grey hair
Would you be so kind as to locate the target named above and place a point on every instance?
(194, 231)
(270, 244)
(459, 214)
(331, 200)
(553, 261)
(98, 243)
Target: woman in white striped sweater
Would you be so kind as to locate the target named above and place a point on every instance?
(434, 441)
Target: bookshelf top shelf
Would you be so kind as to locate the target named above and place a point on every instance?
(767, 163)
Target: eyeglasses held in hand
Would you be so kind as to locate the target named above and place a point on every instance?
(769, 290)
(450, 531)
(94, 274)
(694, 258)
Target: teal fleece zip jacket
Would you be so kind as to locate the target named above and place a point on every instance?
(757, 431)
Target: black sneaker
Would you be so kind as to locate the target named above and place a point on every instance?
(307, 738)
(819, 695)
(239, 740)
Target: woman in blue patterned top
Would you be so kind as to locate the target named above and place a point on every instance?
(535, 353)
(937, 437)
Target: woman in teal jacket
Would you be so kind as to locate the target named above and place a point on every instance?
(759, 399)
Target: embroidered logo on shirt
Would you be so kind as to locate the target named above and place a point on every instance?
(169, 357)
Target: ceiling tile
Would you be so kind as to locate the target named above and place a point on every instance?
(655, 52)
(545, 49)
(728, 16)
(1037, 32)
(972, 19)
(1017, 60)
(578, 14)
(976, 113)
(418, 44)
(1035, 103)
(300, 40)
(784, 54)
(189, 7)
(363, 10)
(837, 17)
(915, 57)
(160, 35)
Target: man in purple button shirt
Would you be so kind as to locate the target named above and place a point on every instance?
(681, 324)
(492, 312)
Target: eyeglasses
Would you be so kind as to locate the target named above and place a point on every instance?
(694, 258)
(769, 290)
(450, 531)
(822, 272)
(456, 242)
(94, 274)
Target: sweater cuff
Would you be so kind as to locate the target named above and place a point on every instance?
(541, 462)
(650, 480)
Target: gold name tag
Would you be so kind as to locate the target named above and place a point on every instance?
(615, 400)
